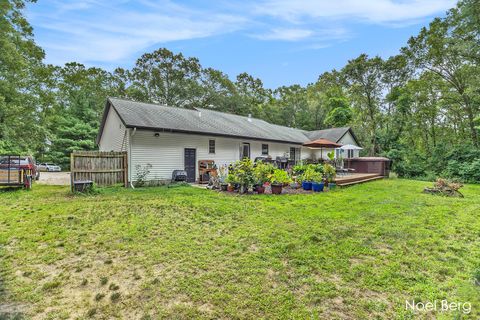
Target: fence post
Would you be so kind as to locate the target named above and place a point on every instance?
(72, 171)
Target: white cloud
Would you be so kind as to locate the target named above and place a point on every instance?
(285, 34)
(90, 32)
(118, 31)
(372, 11)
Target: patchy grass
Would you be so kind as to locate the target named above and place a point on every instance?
(189, 253)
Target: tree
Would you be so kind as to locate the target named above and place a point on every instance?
(217, 91)
(340, 114)
(20, 63)
(364, 76)
(166, 78)
(435, 50)
(251, 96)
(321, 97)
(290, 107)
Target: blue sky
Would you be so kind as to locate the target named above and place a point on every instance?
(280, 41)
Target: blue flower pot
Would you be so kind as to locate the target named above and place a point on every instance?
(317, 187)
(306, 185)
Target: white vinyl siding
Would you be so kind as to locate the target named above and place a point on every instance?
(166, 152)
(114, 135)
(348, 139)
(317, 154)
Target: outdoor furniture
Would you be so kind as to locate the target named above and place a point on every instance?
(82, 185)
(341, 171)
(206, 169)
(179, 175)
(282, 162)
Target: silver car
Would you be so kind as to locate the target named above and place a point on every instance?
(50, 167)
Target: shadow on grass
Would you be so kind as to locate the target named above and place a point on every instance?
(10, 189)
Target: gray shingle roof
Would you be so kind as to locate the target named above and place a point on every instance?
(332, 134)
(204, 121)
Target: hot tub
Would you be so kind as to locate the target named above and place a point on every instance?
(377, 165)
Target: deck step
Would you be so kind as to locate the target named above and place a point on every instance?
(349, 183)
(355, 177)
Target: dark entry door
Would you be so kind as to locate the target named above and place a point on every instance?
(190, 160)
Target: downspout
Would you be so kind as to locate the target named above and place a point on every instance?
(130, 156)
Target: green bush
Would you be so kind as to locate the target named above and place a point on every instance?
(262, 172)
(329, 172)
(464, 171)
(309, 174)
(280, 176)
(460, 163)
(243, 173)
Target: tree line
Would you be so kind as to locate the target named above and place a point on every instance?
(420, 107)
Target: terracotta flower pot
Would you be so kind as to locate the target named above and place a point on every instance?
(277, 188)
(230, 188)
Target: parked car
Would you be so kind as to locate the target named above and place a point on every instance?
(51, 167)
(21, 162)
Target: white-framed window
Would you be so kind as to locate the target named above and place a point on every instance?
(264, 149)
(211, 146)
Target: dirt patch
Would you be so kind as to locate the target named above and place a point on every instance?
(55, 178)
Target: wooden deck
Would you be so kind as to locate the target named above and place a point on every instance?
(354, 178)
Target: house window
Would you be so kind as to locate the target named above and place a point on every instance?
(264, 149)
(211, 146)
(350, 153)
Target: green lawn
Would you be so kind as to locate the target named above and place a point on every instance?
(187, 253)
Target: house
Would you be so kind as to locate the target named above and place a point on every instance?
(170, 138)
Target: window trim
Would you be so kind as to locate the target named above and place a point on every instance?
(210, 146)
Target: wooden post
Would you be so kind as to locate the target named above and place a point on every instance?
(72, 170)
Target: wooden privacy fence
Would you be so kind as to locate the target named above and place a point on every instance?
(103, 168)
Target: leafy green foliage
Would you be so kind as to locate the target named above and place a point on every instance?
(280, 176)
(329, 172)
(243, 173)
(262, 172)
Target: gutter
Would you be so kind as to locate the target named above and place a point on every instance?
(212, 134)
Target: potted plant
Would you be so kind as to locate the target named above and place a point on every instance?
(243, 171)
(262, 172)
(231, 181)
(222, 177)
(330, 173)
(299, 168)
(307, 177)
(278, 179)
(317, 182)
(295, 184)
